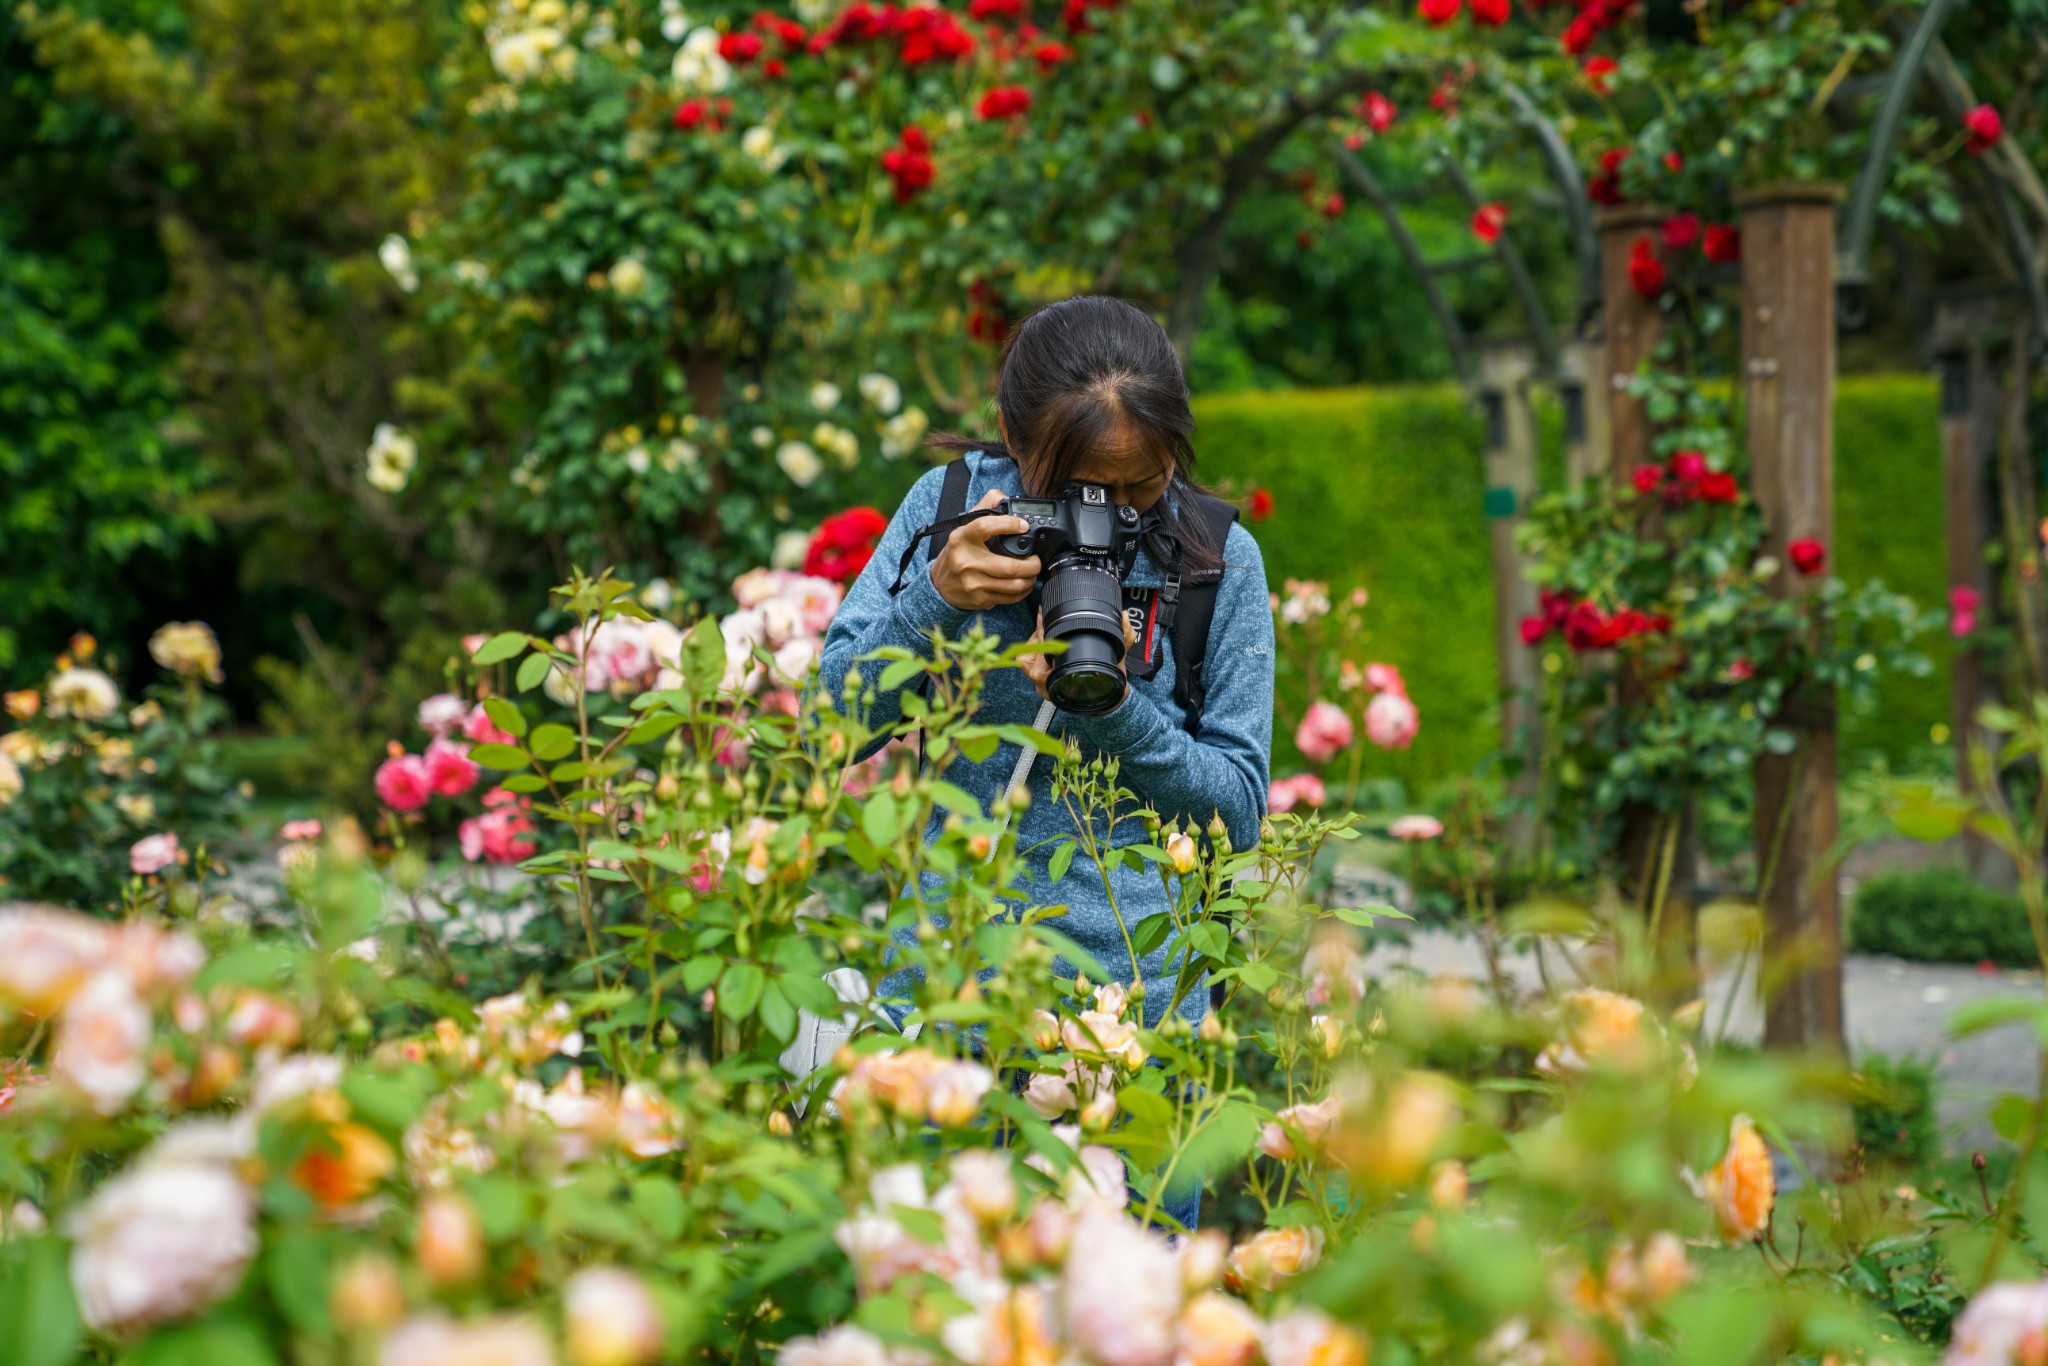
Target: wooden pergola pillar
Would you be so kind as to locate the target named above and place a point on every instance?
(1631, 328)
(1584, 392)
(1963, 333)
(1788, 351)
(1506, 370)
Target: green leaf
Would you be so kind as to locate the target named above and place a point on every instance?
(1210, 940)
(533, 671)
(1151, 932)
(503, 714)
(899, 673)
(499, 648)
(955, 799)
(525, 782)
(551, 742)
(39, 1323)
(660, 1203)
(739, 990)
(1061, 858)
(298, 1268)
(499, 756)
(878, 819)
(2010, 1117)
(654, 727)
(383, 1098)
(216, 1342)
(778, 1016)
(978, 745)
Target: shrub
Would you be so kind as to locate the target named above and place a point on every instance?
(1938, 915)
(1896, 1120)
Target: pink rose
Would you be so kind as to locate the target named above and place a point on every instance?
(153, 854)
(479, 727)
(1302, 789)
(497, 836)
(1324, 731)
(300, 830)
(442, 713)
(1963, 602)
(1391, 721)
(1416, 828)
(1385, 678)
(402, 782)
(450, 770)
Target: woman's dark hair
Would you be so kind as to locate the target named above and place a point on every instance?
(1081, 373)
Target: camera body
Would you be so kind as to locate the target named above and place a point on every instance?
(1086, 545)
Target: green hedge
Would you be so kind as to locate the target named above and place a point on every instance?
(1384, 487)
(1940, 915)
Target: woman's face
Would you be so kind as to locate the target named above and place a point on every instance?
(1131, 474)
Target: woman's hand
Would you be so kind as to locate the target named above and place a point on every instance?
(974, 578)
(1038, 668)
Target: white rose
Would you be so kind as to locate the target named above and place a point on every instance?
(758, 142)
(884, 393)
(901, 433)
(100, 1041)
(793, 661)
(46, 955)
(627, 276)
(791, 547)
(637, 460)
(762, 437)
(679, 454)
(610, 1319)
(85, 693)
(391, 458)
(520, 55)
(824, 395)
(799, 462)
(10, 780)
(1120, 1292)
(397, 259)
(674, 26)
(433, 1339)
(167, 1238)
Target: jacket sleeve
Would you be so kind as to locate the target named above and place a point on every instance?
(871, 618)
(1224, 769)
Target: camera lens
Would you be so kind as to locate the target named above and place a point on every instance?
(1083, 606)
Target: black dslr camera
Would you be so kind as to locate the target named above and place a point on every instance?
(1085, 544)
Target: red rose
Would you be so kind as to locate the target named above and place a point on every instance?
(1534, 629)
(1354, 141)
(995, 9)
(1599, 74)
(1004, 102)
(1605, 185)
(1717, 487)
(844, 544)
(1334, 205)
(1809, 556)
(1586, 627)
(1444, 99)
(1439, 12)
(909, 163)
(1579, 35)
(1556, 606)
(1261, 505)
(1740, 671)
(1488, 220)
(773, 68)
(1681, 231)
(690, 113)
(1688, 465)
(931, 35)
(1050, 54)
(739, 48)
(1721, 243)
(1304, 239)
(1491, 13)
(1378, 111)
(1646, 478)
(1984, 127)
(1645, 271)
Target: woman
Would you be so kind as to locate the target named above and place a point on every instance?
(1090, 390)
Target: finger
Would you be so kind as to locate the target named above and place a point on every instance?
(1003, 567)
(980, 532)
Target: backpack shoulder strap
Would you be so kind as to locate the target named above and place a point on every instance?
(1192, 615)
(952, 504)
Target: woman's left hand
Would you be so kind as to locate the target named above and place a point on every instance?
(1038, 668)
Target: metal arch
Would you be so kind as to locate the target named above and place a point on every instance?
(1852, 239)
(1558, 157)
(1404, 241)
(2017, 239)
(1517, 270)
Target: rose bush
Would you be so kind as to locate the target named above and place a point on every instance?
(101, 791)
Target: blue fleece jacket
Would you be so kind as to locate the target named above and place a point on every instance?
(1222, 770)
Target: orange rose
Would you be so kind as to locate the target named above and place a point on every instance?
(1274, 1256)
(1740, 1189)
(345, 1167)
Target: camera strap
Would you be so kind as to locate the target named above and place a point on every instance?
(938, 531)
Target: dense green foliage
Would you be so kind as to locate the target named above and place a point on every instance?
(1896, 1120)
(1940, 915)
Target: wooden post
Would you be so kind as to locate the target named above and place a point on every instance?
(1633, 326)
(1585, 394)
(1505, 369)
(1788, 350)
(1969, 446)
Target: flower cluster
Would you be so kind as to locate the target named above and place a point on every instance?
(783, 612)
(1685, 478)
(844, 544)
(1067, 1275)
(1594, 17)
(1585, 625)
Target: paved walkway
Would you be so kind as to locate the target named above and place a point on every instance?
(1891, 1006)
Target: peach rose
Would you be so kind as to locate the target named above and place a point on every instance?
(610, 1319)
(101, 1037)
(1216, 1330)
(1740, 1188)
(1309, 1337)
(436, 1340)
(1277, 1255)
(46, 955)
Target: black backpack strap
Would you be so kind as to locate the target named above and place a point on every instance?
(952, 505)
(1192, 615)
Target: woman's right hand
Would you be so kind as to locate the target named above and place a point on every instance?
(974, 578)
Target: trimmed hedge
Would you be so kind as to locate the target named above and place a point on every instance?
(1385, 488)
(1940, 915)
